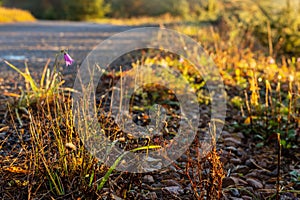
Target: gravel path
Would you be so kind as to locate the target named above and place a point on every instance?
(251, 172)
(37, 42)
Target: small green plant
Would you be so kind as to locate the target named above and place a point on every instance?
(57, 148)
(295, 177)
(50, 85)
(271, 107)
(104, 179)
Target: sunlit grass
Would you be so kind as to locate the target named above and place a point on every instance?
(50, 85)
(138, 21)
(15, 15)
(58, 155)
(263, 90)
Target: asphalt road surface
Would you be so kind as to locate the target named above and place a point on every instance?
(37, 42)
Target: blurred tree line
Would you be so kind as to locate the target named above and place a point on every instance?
(276, 25)
(87, 9)
(134, 8)
(61, 9)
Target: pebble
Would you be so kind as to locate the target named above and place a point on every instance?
(235, 192)
(235, 161)
(243, 169)
(241, 152)
(173, 189)
(231, 149)
(230, 141)
(187, 190)
(171, 182)
(250, 163)
(157, 184)
(247, 197)
(240, 135)
(2, 135)
(226, 134)
(148, 179)
(255, 183)
(152, 196)
(229, 181)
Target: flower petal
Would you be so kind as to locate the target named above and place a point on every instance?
(68, 59)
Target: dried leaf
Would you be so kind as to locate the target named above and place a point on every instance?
(15, 169)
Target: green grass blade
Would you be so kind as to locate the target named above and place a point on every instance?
(43, 76)
(26, 76)
(106, 176)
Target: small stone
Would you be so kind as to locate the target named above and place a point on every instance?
(240, 135)
(243, 169)
(173, 168)
(2, 135)
(250, 163)
(241, 152)
(247, 197)
(183, 158)
(242, 182)
(152, 196)
(148, 179)
(226, 134)
(255, 183)
(223, 160)
(269, 186)
(157, 185)
(231, 149)
(181, 191)
(171, 182)
(229, 181)
(230, 141)
(173, 189)
(235, 161)
(188, 190)
(235, 192)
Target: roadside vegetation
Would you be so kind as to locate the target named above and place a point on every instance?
(15, 15)
(257, 157)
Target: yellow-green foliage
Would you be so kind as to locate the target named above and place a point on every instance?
(15, 15)
(140, 21)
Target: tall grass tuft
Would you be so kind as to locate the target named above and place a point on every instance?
(49, 86)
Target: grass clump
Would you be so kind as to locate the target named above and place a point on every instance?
(53, 161)
(268, 98)
(58, 154)
(34, 93)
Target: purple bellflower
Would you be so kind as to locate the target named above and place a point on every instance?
(68, 59)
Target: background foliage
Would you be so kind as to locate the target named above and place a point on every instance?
(134, 8)
(62, 9)
(275, 24)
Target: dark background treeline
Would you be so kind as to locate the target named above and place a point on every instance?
(274, 23)
(60, 9)
(87, 9)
